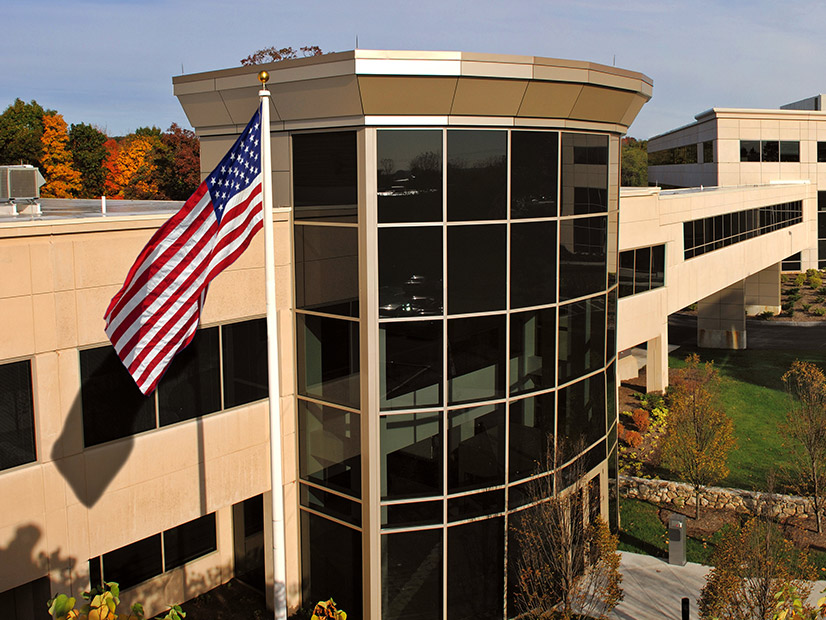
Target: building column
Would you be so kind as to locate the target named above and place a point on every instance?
(656, 364)
(762, 291)
(721, 319)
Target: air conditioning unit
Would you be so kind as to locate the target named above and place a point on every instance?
(20, 183)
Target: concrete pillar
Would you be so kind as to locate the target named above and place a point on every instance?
(762, 291)
(721, 319)
(656, 364)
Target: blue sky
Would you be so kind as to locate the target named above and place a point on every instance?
(110, 62)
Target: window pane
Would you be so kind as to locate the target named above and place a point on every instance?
(582, 257)
(328, 359)
(584, 173)
(611, 325)
(191, 540)
(476, 175)
(410, 271)
(581, 338)
(475, 505)
(581, 415)
(329, 503)
(329, 447)
(821, 225)
(626, 272)
(416, 513)
(409, 175)
(325, 176)
(27, 601)
(476, 359)
(411, 455)
(790, 151)
(475, 448)
(245, 362)
(16, 415)
(708, 152)
(135, 563)
(113, 406)
(533, 350)
(821, 152)
(531, 435)
(326, 269)
(534, 170)
(533, 264)
(192, 385)
(642, 270)
(658, 266)
(749, 150)
(476, 268)
(475, 587)
(411, 567)
(410, 363)
(771, 150)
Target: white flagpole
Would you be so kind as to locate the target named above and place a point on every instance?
(278, 553)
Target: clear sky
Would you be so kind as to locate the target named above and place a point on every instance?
(110, 62)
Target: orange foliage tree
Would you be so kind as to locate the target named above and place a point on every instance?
(131, 168)
(63, 181)
(112, 170)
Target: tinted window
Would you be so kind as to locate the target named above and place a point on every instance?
(790, 151)
(475, 448)
(475, 588)
(821, 152)
(328, 359)
(476, 268)
(534, 169)
(330, 504)
(329, 447)
(531, 435)
(410, 364)
(476, 175)
(326, 269)
(708, 152)
(533, 264)
(581, 338)
(410, 271)
(325, 176)
(412, 558)
(135, 563)
(409, 514)
(476, 359)
(582, 257)
(533, 350)
(27, 601)
(642, 270)
(244, 362)
(584, 173)
(771, 150)
(16, 415)
(749, 150)
(191, 540)
(409, 175)
(475, 505)
(411, 455)
(581, 414)
(657, 266)
(626, 273)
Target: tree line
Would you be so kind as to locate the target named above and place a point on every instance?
(81, 161)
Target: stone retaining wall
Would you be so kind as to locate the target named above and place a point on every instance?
(738, 500)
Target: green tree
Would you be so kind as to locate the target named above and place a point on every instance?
(86, 144)
(178, 163)
(21, 128)
(634, 163)
(274, 54)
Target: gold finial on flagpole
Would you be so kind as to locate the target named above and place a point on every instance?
(263, 77)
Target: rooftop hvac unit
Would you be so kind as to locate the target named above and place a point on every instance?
(20, 183)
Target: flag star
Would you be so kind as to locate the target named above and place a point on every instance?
(232, 156)
(223, 169)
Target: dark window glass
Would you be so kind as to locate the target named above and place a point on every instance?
(642, 270)
(113, 406)
(531, 435)
(626, 272)
(475, 448)
(330, 504)
(410, 363)
(821, 225)
(821, 152)
(245, 362)
(657, 266)
(331, 562)
(475, 505)
(611, 397)
(792, 263)
(584, 174)
(329, 447)
(476, 359)
(533, 350)
(410, 271)
(613, 491)
(581, 338)
(749, 150)
(476, 268)
(581, 415)
(16, 415)
(584, 464)
(612, 252)
(95, 572)
(326, 269)
(771, 150)
(533, 264)
(135, 563)
(708, 152)
(27, 601)
(191, 540)
(253, 515)
(409, 175)
(821, 247)
(789, 151)
(192, 385)
(325, 176)
(534, 170)
(411, 453)
(411, 568)
(328, 359)
(821, 199)
(582, 257)
(475, 588)
(415, 513)
(611, 325)
(476, 175)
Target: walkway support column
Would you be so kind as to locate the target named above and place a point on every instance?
(721, 319)
(656, 364)
(762, 291)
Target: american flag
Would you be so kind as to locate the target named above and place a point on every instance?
(156, 312)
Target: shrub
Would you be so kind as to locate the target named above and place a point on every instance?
(641, 420)
(819, 311)
(659, 415)
(822, 290)
(794, 297)
(788, 307)
(650, 400)
(815, 281)
(767, 314)
(622, 432)
(784, 278)
(792, 290)
(806, 307)
(820, 299)
(633, 439)
(799, 279)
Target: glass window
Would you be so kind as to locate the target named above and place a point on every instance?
(582, 257)
(658, 266)
(410, 271)
(330, 504)
(475, 448)
(113, 406)
(642, 270)
(411, 455)
(611, 396)
(821, 199)
(821, 152)
(771, 150)
(409, 175)
(581, 415)
(326, 269)
(192, 385)
(534, 170)
(792, 263)
(533, 264)
(581, 338)
(244, 347)
(410, 514)
(749, 150)
(476, 175)
(27, 601)
(584, 173)
(821, 225)
(410, 363)
(611, 325)
(191, 540)
(329, 447)
(533, 350)
(325, 176)
(789, 151)
(476, 359)
(532, 429)
(328, 359)
(626, 271)
(16, 415)
(475, 587)
(135, 563)
(475, 505)
(411, 568)
(476, 268)
(708, 152)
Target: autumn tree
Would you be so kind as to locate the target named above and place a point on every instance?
(634, 169)
(178, 163)
(274, 54)
(21, 128)
(135, 168)
(88, 153)
(112, 175)
(699, 436)
(806, 424)
(62, 180)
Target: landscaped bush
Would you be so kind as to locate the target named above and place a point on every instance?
(650, 400)
(622, 432)
(659, 415)
(641, 420)
(819, 311)
(822, 290)
(787, 307)
(806, 307)
(799, 279)
(793, 298)
(633, 439)
(765, 315)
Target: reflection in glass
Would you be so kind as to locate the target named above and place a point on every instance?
(581, 338)
(475, 588)
(476, 175)
(410, 271)
(475, 448)
(531, 435)
(581, 415)
(475, 505)
(411, 570)
(476, 268)
(582, 257)
(533, 264)
(17, 445)
(244, 347)
(329, 447)
(411, 513)
(626, 273)
(476, 359)
(611, 325)
(326, 269)
(533, 350)
(771, 150)
(657, 266)
(613, 250)
(325, 176)
(330, 504)
(789, 151)
(642, 270)
(584, 173)
(611, 395)
(328, 359)
(749, 150)
(534, 168)
(411, 455)
(409, 175)
(410, 364)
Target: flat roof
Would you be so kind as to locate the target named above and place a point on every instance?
(56, 209)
